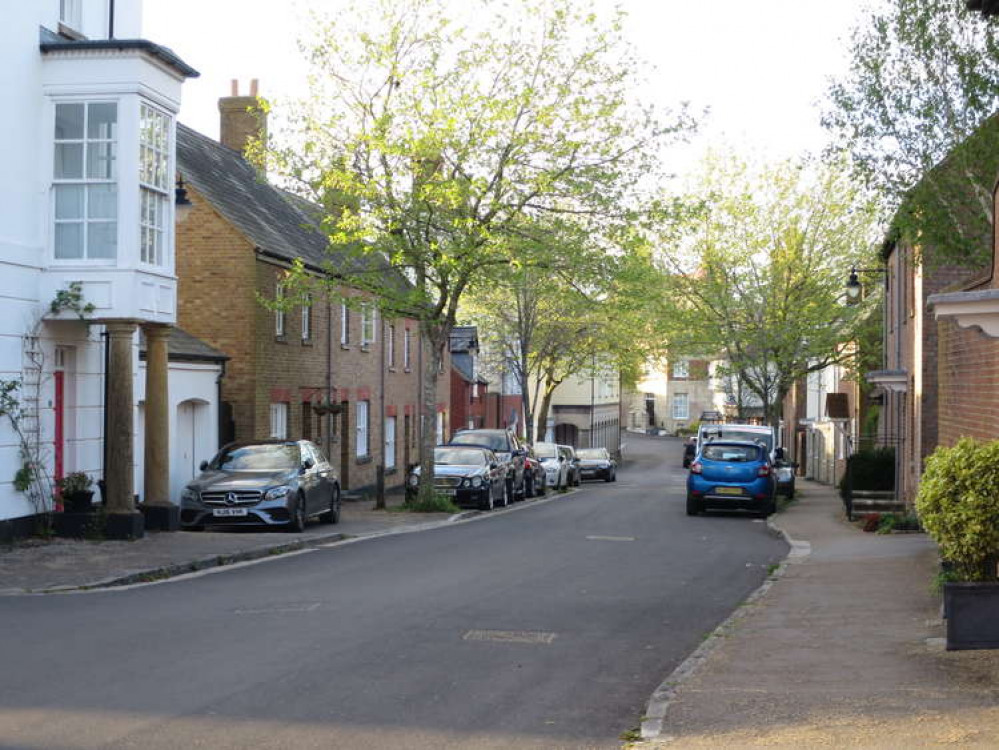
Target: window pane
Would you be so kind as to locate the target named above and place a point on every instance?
(69, 240)
(69, 122)
(102, 121)
(102, 239)
(69, 161)
(69, 201)
(100, 160)
(102, 201)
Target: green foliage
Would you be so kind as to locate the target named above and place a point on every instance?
(24, 477)
(958, 505)
(436, 504)
(76, 481)
(71, 298)
(913, 113)
(870, 469)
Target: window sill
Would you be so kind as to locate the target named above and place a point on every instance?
(365, 347)
(390, 471)
(392, 369)
(345, 347)
(307, 342)
(361, 460)
(280, 339)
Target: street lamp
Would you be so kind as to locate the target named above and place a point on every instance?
(854, 287)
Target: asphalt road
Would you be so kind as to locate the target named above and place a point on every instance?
(547, 626)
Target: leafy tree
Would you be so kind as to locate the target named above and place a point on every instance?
(914, 114)
(758, 276)
(431, 144)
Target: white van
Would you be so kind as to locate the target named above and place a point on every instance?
(750, 433)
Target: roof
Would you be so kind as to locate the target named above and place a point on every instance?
(49, 41)
(183, 347)
(464, 338)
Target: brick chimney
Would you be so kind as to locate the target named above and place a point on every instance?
(241, 118)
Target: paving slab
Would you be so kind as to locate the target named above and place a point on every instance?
(844, 649)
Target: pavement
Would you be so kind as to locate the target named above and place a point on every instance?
(54, 565)
(842, 647)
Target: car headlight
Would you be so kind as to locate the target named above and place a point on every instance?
(477, 481)
(464, 482)
(277, 493)
(414, 480)
(189, 494)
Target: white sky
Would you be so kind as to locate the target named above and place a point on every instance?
(760, 65)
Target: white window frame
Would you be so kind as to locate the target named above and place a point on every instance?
(390, 446)
(70, 14)
(278, 312)
(363, 443)
(681, 369)
(279, 420)
(407, 360)
(86, 183)
(440, 427)
(344, 324)
(681, 399)
(155, 192)
(390, 345)
(368, 328)
(307, 319)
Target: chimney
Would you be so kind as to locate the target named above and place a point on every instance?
(241, 118)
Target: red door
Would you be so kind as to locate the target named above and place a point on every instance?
(60, 441)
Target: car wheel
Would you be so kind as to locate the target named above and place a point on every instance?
(693, 507)
(614, 475)
(333, 514)
(579, 480)
(298, 516)
(610, 476)
(543, 489)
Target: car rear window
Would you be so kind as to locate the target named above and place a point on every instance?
(731, 453)
(545, 450)
(750, 436)
(592, 453)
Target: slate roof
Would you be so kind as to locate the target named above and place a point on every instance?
(184, 347)
(464, 338)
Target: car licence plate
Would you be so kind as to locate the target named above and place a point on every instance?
(449, 493)
(728, 490)
(217, 512)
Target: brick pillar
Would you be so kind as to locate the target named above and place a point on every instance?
(123, 520)
(241, 118)
(160, 513)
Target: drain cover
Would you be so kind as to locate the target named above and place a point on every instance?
(509, 636)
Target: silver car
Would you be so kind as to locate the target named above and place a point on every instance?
(281, 483)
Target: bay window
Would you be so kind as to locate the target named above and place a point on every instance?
(154, 184)
(85, 182)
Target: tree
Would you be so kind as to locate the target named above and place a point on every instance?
(924, 79)
(758, 277)
(431, 144)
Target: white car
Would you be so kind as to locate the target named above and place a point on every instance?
(554, 463)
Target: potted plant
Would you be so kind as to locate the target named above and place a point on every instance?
(75, 492)
(958, 504)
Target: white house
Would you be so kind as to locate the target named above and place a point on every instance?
(86, 222)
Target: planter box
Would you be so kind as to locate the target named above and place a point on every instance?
(972, 611)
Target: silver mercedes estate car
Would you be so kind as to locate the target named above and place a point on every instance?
(281, 483)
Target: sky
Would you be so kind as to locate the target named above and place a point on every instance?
(761, 67)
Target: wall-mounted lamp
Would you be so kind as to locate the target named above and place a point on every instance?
(182, 203)
(853, 286)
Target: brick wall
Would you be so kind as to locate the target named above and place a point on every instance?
(969, 384)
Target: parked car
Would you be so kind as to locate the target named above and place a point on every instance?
(784, 472)
(572, 460)
(268, 482)
(508, 450)
(471, 476)
(730, 474)
(689, 451)
(750, 433)
(555, 464)
(535, 476)
(596, 463)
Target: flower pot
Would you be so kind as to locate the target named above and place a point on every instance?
(78, 502)
(972, 609)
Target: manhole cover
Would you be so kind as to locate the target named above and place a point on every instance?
(509, 636)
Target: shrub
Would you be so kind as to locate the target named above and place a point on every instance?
(439, 504)
(958, 504)
(869, 469)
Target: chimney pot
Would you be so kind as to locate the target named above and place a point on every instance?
(241, 118)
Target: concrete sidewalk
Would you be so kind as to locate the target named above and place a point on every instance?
(842, 649)
(35, 566)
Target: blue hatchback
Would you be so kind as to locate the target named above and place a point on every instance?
(730, 474)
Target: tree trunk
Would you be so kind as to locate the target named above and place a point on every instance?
(546, 403)
(431, 336)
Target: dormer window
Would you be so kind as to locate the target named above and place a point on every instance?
(85, 181)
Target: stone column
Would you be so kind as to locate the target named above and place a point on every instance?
(160, 513)
(123, 520)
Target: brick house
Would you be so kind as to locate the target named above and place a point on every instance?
(469, 390)
(240, 237)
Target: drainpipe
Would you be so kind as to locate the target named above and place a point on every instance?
(328, 442)
(380, 469)
(218, 404)
(110, 19)
(104, 409)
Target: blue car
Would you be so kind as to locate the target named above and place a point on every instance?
(731, 474)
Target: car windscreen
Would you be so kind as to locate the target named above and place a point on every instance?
(592, 453)
(459, 457)
(545, 450)
(269, 457)
(748, 436)
(494, 442)
(731, 453)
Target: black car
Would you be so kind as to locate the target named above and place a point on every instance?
(280, 483)
(469, 475)
(508, 450)
(596, 463)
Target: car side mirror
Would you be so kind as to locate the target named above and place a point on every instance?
(308, 464)
(494, 465)
(203, 466)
